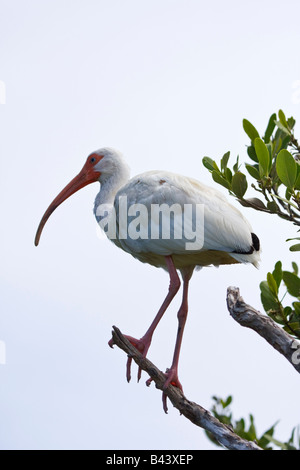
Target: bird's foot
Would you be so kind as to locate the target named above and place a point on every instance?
(142, 345)
(171, 378)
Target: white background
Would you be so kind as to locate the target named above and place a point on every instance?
(166, 82)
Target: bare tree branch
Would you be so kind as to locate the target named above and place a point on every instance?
(276, 336)
(194, 412)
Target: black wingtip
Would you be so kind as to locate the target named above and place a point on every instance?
(254, 247)
(255, 242)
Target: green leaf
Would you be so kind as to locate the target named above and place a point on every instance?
(286, 168)
(270, 431)
(285, 142)
(295, 247)
(228, 174)
(292, 283)
(277, 273)
(268, 299)
(270, 128)
(240, 427)
(251, 153)
(269, 147)
(291, 122)
(251, 434)
(263, 441)
(236, 165)
(209, 163)
(295, 267)
(282, 127)
(288, 193)
(272, 206)
(282, 119)
(272, 284)
(239, 184)
(253, 171)
(263, 156)
(253, 202)
(250, 129)
(224, 161)
(218, 178)
(296, 306)
(228, 400)
(293, 326)
(277, 142)
(297, 182)
(287, 311)
(282, 445)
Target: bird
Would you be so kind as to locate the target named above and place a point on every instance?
(169, 221)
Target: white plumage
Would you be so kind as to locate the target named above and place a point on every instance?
(225, 228)
(225, 235)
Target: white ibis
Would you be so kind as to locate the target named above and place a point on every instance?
(221, 234)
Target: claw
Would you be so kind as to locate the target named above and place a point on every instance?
(148, 382)
(142, 345)
(164, 400)
(172, 378)
(128, 369)
(139, 375)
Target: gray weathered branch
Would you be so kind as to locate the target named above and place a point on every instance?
(194, 412)
(247, 316)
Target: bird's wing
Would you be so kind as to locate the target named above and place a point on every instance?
(221, 226)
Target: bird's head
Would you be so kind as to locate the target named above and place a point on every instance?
(100, 166)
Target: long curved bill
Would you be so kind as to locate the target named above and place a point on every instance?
(85, 177)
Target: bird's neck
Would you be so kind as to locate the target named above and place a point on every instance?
(109, 188)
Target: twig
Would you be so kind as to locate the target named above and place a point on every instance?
(276, 336)
(194, 412)
(294, 142)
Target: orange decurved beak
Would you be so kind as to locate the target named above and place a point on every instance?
(86, 176)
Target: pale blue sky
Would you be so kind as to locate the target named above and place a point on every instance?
(166, 82)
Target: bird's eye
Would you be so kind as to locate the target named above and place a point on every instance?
(92, 160)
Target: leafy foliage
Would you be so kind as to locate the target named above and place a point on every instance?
(274, 169)
(221, 410)
(289, 316)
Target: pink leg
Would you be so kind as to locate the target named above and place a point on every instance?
(143, 344)
(172, 373)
